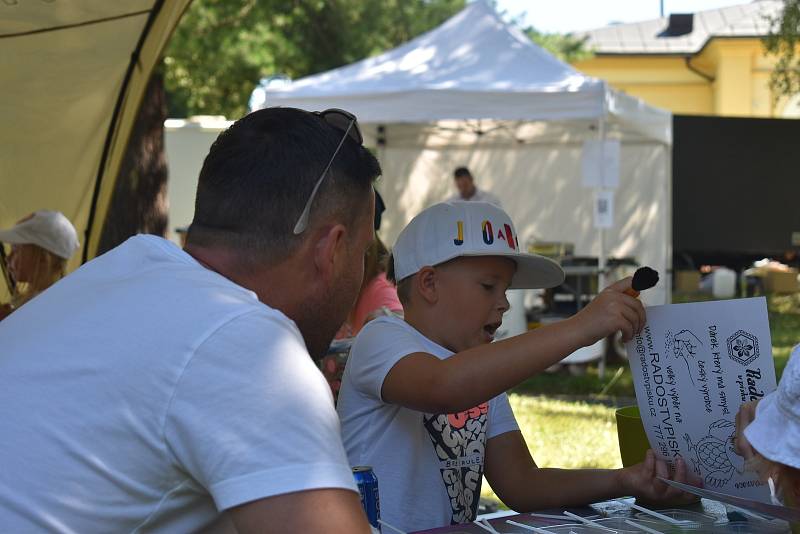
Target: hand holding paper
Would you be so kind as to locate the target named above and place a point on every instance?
(693, 366)
(643, 481)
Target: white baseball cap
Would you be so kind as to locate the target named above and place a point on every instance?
(775, 431)
(50, 230)
(451, 229)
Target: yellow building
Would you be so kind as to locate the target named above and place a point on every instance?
(706, 63)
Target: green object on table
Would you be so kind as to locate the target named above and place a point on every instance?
(633, 442)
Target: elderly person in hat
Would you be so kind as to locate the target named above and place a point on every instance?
(41, 245)
(768, 436)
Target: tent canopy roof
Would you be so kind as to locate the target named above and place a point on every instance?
(73, 74)
(473, 66)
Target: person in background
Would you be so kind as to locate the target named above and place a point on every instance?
(468, 191)
(41, 245)
(768, 436)
(377, 297)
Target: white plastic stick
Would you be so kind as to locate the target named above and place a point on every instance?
(642, 527)
(587, 522)
(553, 516)
(489, 526)
(662, 517)
(390, 527)
(528, 527)
(483, 526)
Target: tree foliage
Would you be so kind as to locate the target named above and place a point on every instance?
(566, 47)
(222, 48)
(783, 41)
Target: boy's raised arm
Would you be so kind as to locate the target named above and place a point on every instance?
(425, 383)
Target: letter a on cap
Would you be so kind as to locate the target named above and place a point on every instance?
(509, 237)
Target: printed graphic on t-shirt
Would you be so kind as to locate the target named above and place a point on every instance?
(460, 440)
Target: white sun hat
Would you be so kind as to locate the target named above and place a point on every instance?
(452, 229)
(50, 230)
(775, 431)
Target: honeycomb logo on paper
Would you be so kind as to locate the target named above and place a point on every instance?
(743, 347)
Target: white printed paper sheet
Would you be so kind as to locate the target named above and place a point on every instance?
(693, 365)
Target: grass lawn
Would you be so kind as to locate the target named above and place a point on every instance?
(563, 432)
(569, 434)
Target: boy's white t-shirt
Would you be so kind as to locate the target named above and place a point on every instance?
(145, 392)
(429, 466)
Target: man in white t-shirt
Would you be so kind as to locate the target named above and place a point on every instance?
(155, 388)
(468, 191)
(423, 399)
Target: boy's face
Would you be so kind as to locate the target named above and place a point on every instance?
(472, 299)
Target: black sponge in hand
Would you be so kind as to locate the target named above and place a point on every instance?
(644, 278)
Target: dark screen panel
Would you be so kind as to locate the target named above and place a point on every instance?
(736, 185)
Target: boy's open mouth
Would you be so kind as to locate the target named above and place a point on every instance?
(491, 328)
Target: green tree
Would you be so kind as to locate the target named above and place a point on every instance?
(216, 56)
(783, 41)
(221, 49)
(566, 47)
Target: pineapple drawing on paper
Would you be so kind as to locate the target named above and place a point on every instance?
(714, 454)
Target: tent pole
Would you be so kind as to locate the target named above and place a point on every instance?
(601, 257)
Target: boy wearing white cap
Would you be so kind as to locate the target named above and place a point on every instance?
(423, 399)
(41, 245)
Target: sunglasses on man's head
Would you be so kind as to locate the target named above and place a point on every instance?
(343, 121)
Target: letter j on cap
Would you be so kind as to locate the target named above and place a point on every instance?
(458, 241)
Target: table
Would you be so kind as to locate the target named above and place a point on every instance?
(610, 509)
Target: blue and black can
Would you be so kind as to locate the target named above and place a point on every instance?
(368, 487)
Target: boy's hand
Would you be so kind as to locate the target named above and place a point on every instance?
(610, 312)
(641, 482)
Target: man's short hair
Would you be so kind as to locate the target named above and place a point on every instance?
(259, 174)
(462, 171)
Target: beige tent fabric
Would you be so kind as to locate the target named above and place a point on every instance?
(63, 66)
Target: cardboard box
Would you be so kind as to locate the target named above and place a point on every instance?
(687, 281)
(781, 281)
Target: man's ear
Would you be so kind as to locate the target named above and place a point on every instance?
(329, 250)
(427, 282)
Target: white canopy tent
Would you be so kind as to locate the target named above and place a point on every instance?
(477, 92)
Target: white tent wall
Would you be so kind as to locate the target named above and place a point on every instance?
(186, 143)
(539, 184)
(538, 181)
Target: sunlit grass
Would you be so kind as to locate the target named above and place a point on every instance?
(565, 434)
